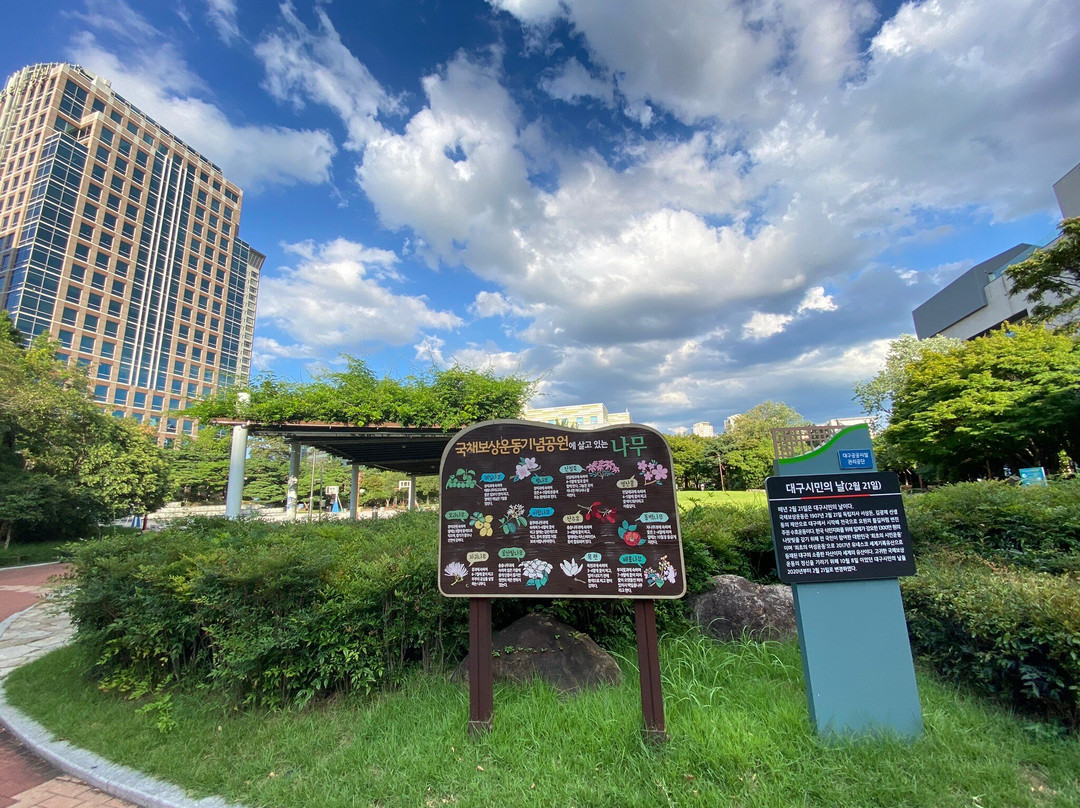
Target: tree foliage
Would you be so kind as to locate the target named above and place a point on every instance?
(1051, 277)
(690, 463)
(746, 449)
(64, 465)
(450, 398)
(876, 395)
(1009, 398)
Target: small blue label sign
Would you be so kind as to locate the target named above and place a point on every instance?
(856, 459)
(1034, 476)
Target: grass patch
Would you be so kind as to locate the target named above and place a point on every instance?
(739, 499)
(33, 553)
(736, 714)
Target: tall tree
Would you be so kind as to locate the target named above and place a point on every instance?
(689, 463)
(876, 395)
(64, 465)
(1051, 276)
(1009, 398)
(746, 449)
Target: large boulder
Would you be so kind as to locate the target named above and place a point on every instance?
(538, 647)
(735, 606)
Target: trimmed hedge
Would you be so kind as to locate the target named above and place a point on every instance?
(1010, 632)
(1035, 526)
(278, 613)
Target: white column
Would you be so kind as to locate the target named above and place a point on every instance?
(237, 460)
(354, 497)
(412, 492)
(294, 476)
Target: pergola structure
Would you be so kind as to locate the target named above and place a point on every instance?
(407, 449)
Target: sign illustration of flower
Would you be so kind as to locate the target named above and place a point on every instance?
(571, 568)
(599, 512)
(457, 571)
(652, 471)
(515, 518)
(525, 467)
(666, 573)
(629, 534)
(482, 523)
(536, 570)
(602, 468)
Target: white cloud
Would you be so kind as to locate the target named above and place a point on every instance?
(304, 65)
(815, 299)
(222, 14)
(336, 297)
(762, 325)
(573, 82)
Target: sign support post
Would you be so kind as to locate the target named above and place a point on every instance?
(652, 695)
(481, 689)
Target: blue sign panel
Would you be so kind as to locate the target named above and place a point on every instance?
(1035, 476)
(856, 459)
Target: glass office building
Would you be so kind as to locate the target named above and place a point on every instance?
(122, 243)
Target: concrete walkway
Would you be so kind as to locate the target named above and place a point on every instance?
(37, 771)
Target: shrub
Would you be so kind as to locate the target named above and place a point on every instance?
(1036, 526)
(738, 539)
(1010, 632)
(287, 612)
(272, 613)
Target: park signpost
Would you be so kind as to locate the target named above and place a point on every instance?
(842, 541)
(534, 510)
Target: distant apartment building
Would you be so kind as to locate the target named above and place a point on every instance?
(577, 416)
(121, 243)
(703, 429)
(980, 299)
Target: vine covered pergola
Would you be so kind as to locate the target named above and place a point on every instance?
(398, 425)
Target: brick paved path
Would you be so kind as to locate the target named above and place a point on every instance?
(26, 781)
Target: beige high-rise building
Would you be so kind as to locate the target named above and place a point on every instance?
(578, 416)
(122, 243)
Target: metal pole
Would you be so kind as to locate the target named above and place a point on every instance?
(294, 476)
(237, 459)
(354, 499)
(311, 493)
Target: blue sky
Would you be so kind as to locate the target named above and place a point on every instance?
(680, 209)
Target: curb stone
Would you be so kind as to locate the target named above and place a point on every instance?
(112, 778)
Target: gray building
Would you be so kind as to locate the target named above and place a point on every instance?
(980, 299)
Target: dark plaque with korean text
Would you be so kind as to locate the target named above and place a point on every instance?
(839, 527)
(529, 509)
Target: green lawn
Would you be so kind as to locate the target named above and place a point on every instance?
(32, 553)
(736, 716)
(687, 499)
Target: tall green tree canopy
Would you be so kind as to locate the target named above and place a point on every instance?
(64, 465)
(1009, 398)
(450, 398)
(1051, 276)
(876, 395)
(690, 464)
(746, 449)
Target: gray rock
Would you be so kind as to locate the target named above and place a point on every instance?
(537, 647)
(735, 606)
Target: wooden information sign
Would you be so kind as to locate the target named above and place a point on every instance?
(531, 510)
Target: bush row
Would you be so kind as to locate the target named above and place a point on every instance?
(276, 613)
(1011, 632)
(1034, 526)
